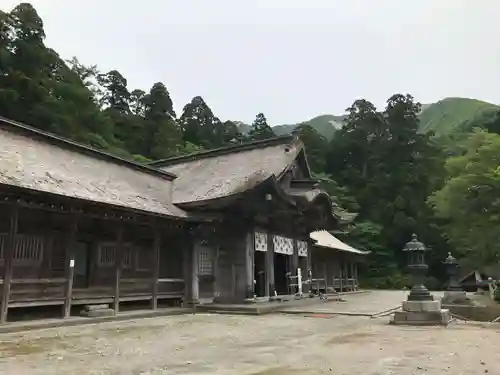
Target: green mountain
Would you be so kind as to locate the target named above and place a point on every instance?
(442, 117)
(449, 114)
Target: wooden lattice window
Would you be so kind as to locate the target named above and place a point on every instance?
(128, 256)
(205, 261)
(106, 254)
(28, 249)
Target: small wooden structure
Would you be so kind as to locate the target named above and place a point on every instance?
(478, 280)
(334, 264)
(268, 203)
(78, 226)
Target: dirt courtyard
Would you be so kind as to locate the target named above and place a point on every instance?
(262, 345)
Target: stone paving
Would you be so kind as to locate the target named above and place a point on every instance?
(369, 303)
(253, 345)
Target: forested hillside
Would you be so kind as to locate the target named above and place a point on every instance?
(447, 115)
(443, 117)
(379, 164)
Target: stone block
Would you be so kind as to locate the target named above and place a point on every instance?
(455, 294)
(422, 306)
(456, 297)
(96, 307)
(98, 313)
(423, 318)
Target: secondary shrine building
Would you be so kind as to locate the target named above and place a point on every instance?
(81, 227)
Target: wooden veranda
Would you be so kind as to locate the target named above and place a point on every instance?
(60, 253)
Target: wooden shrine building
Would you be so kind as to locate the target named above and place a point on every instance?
(81, 227)
(268, 204)
(78, 226)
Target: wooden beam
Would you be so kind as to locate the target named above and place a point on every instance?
(156, 267)
(118, 267)
(70, 267)
(59, 280)
(8, 255)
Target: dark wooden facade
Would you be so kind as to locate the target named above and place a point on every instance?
(259, 190)
(53, 253)
(95, 229)
(78, 226)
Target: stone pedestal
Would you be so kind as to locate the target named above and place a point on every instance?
(421, 313)
(455, 294)
(455, 297)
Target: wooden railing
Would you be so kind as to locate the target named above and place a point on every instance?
(37, 281)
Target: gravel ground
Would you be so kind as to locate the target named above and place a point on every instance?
(262, 345)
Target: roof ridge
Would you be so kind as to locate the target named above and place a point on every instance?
(225, 150)
(64, 142)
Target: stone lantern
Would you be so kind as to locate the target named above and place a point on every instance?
(451, 266)
(420, 308)
(415, 251)
(454, 291)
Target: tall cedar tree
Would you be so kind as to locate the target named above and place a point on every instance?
(260, 129)
(388, 166)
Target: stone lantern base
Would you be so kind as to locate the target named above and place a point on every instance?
(455, 297)
(422, 313)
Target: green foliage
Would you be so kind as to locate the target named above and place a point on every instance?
(79, 102)
(496, 294)
(448, 115)
(443, 118)
(316, 146)
(390, 169)
(469, 200)
(260, 129)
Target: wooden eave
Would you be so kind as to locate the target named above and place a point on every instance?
(35, 199)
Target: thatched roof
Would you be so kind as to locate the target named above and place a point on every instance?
(35, 160)
(231, 170)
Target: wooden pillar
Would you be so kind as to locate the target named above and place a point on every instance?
(326, 260)
(8, 256)
(270, 266)
(156, 267)
(346, 274)
(295, 257)
(355, 275)
(118, 266)
(70, 267)
(195, 285)
(187, 262)
(249, 265)
(308, 272)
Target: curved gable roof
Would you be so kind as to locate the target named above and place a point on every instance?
(230, 170)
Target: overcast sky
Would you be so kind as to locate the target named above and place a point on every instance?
(291, 59)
